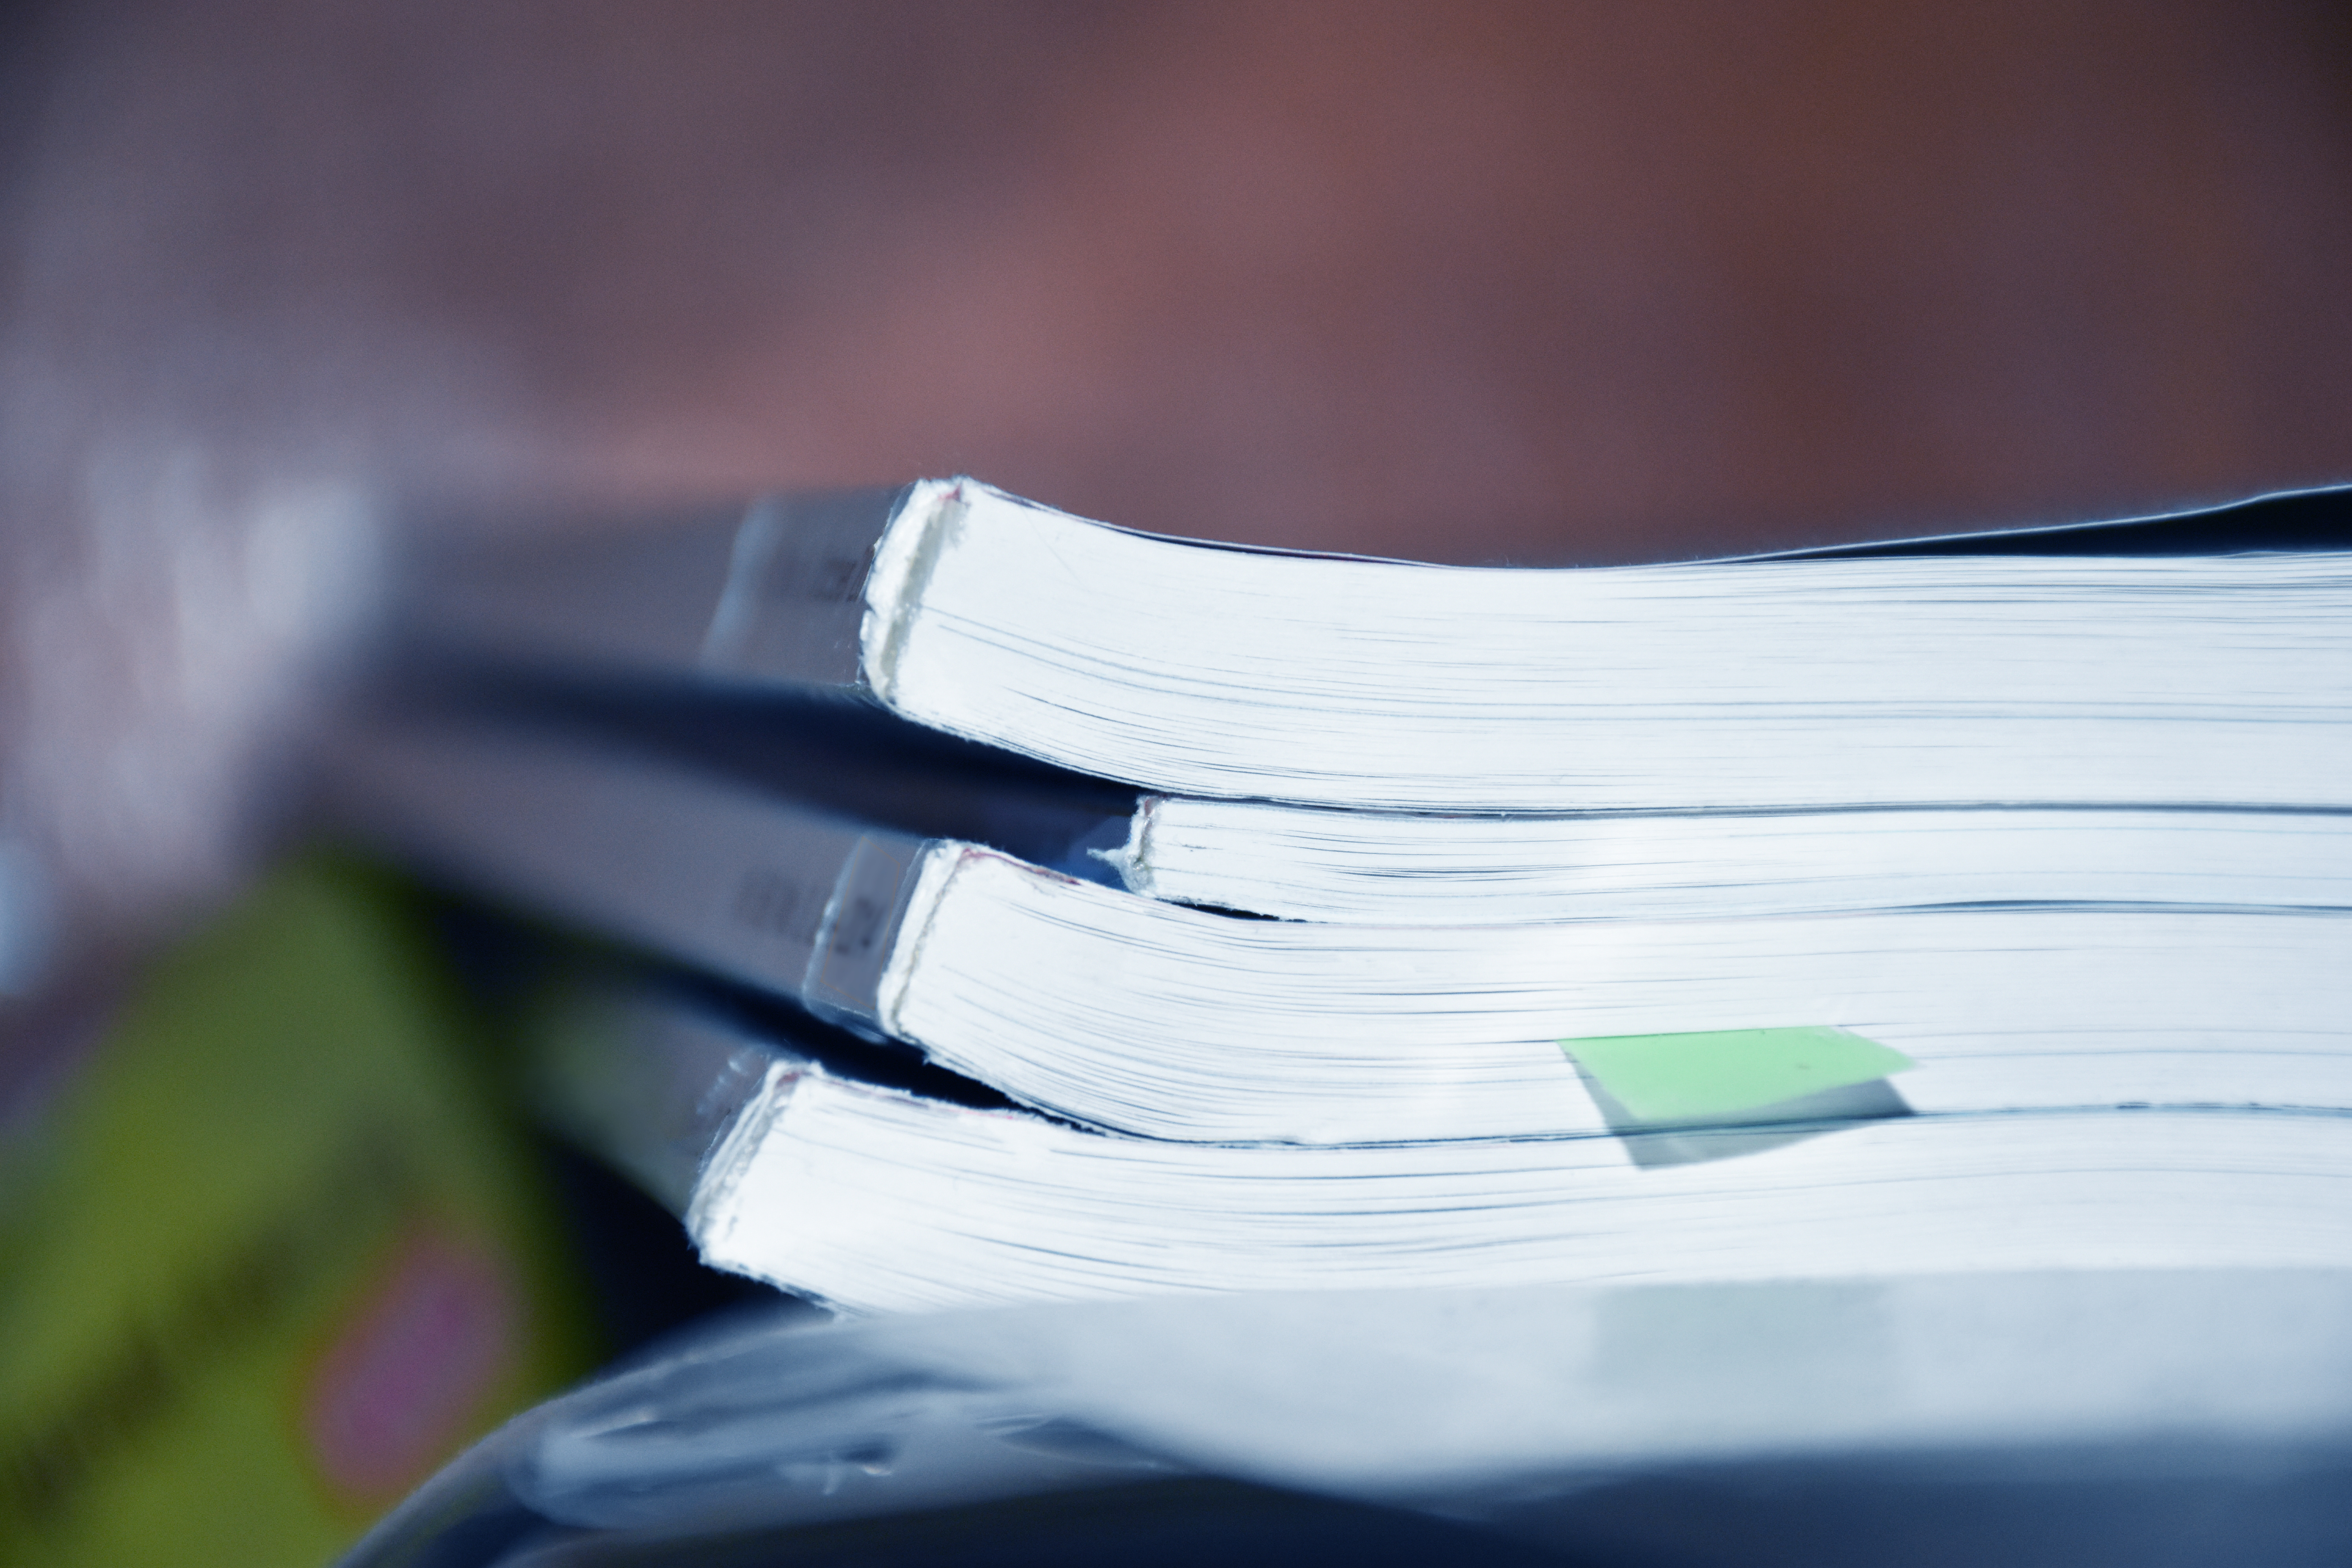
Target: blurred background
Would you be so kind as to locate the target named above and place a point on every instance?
(1536, 283)
(1493, 281)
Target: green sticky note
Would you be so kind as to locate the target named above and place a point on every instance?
(1691, 1077)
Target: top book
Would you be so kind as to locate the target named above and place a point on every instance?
(2200, 659)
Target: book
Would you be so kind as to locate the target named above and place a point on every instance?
(1126, 1013)
(1438, 868)
(873, 1199)
(1390, 868)
(1314, 863)
(2064, 1419)
(2109, 665)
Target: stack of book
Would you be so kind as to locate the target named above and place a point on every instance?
(1273, 920)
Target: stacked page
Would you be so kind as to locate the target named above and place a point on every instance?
(1967, 904)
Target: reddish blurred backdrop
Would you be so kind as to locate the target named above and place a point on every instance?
(1466, 282)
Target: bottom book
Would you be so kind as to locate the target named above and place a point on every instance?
(873, 1199)
(2068, 1419)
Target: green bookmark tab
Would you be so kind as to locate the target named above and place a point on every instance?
(1664, 1078)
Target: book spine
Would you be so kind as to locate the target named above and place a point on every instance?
(1133, 862)
(927, 889)
(772, 593)
(714, 1211)
(696, 868)
(794, 605)
(643, 1079)
(925, 524)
